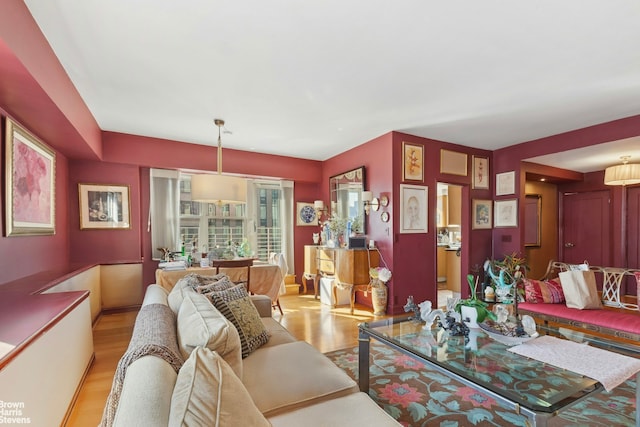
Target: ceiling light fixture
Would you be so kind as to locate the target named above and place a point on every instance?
(624, 174)
(218, 188)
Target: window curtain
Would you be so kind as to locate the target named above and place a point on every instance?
(164, 211)
(287, 212)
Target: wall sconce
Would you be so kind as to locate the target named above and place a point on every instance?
(369, 202)
(624, 174)
(318, 205)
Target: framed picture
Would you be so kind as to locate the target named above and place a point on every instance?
(413, 163)
(413, 208)
(306, 214)
(505, 183)
(480, 172)
(506, 213)
(104, 206)
(30, 183)
(453, 162)
(481, 214)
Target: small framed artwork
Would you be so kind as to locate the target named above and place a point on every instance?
(481, 214)
(453, 162)
(30, 183)
(413, 208)
(104, 206)
(480, 172)
(506, 213)
(505, 183)
(306, 214)
(413, 162)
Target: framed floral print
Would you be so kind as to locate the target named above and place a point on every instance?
(480, 172)
(306, 214)
(104, 206)
(30, 183)
(413, 162)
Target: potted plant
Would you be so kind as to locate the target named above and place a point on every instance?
(473, 304)
(506, 273)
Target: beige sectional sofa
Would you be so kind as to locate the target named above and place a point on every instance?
(284, 382)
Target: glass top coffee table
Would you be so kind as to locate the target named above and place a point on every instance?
(534, 389)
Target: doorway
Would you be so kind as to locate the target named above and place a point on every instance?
(449, 241)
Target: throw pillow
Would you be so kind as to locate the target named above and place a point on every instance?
(188, 283)
(200, 324)
(215, 285)
(235, 304)
(539, 291)
(580, 289)
(208, 393)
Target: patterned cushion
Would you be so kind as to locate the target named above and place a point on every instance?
(538, 291)
(235, 304)
(188, 283)
(215, 284)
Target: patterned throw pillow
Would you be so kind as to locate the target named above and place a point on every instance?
(188, 283)
(236, 305)
(215, 284)
(548, 291)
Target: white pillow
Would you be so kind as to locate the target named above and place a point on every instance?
(208, 393)
(200, 324)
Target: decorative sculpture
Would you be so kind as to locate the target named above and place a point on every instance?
(428, 315)
(412, 306)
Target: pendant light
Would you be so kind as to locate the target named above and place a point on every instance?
(624, 174)
(218, 188)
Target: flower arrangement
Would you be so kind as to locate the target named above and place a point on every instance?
(336, 224)
(379, 276)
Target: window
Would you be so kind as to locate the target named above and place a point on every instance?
(208, 225)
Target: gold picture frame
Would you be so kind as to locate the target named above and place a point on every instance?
(30, 168)
(481, 214)
(453, 162)
(413, 162)
(480, 173)
(104, 206)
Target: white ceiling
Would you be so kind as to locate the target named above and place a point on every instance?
(311, 79)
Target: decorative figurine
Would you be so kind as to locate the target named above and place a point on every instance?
(412, 306)
(428, 315)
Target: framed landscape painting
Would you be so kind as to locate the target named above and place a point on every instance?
(30, 183)
(480, 214)
(104, 206)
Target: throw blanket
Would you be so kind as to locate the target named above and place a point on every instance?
(154, 333)
(610, 369)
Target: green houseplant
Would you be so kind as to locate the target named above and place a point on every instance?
(473, 301)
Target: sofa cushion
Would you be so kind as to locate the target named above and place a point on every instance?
(235, 304)
(155, 294)
(354, 410)
(543, 291)
(278, 334)
(189, 283)
(314, 378)
(208, 393)
(200, 324)
(146, 393)
(214, 283)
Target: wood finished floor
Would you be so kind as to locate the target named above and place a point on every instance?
(325, 328)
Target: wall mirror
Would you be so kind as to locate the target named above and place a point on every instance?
(346, 190)
(532, 210)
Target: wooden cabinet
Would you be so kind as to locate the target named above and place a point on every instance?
(441, 211)
(310, 256)
(453, 271)
(454, 211)
(442, 264)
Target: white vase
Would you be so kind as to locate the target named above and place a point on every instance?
(471, 314)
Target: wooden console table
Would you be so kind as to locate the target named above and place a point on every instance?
(349, 268)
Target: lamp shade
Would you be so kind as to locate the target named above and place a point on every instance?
(216, 188)
(367, 196)
(625, 174)
(318, 204)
